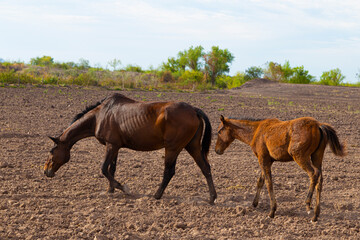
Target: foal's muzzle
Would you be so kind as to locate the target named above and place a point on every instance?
(218, 151)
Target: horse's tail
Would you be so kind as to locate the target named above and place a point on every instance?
(206, 141)
(332, 139)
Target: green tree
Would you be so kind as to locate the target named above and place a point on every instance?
(194, 55)
(182, 60)
(187, 59)
(332, 77)
(217, 62)
(44, 61)
(171, 65)
(287, 72)
(114, 63)
(253, 72)
(300, 75)
(274, 72)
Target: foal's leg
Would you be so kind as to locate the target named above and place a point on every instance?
(109, 166)
(313, 173)
(266, 169)
(194, 149)
(316, 159)
(265, 163)
(259, 185)
(169, 171)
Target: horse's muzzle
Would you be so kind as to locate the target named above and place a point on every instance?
(49, 173)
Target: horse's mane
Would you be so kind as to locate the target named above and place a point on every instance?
(114, 99)
(86, 110)
(247, 118)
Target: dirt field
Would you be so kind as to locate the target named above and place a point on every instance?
(74, 204)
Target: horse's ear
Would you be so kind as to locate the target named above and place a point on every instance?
(222, 118)
(55, 140)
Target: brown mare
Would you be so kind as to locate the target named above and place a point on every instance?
(302, 140)
(120, 122)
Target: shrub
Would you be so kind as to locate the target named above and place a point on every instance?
(133, 68)
(85, 79)
(191, 77)
(8, 77)
(166, 77)
(231, 82)
(44, 61)
(50, 80)
(222, 81)
(333, 77)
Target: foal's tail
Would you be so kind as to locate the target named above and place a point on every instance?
(330, 135)
(206, 141)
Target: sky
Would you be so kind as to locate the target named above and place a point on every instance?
(320, 35)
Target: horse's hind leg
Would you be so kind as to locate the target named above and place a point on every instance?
(169, 171)
(109, 167)
(259, 185)
(194, 149)
(316, 159)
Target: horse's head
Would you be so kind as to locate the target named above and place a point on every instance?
(59, 155)
(225, 136)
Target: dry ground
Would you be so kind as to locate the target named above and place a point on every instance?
(74, 205)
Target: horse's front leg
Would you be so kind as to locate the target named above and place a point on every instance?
(112, 169)
(109, 168)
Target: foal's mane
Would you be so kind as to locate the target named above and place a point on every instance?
(86, 110)
(247, 119)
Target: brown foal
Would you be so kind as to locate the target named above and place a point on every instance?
(302, 140)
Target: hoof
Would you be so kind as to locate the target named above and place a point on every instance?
(314, 220)
(308, 210)
(157, 196)
(126, 189)
(212, 202)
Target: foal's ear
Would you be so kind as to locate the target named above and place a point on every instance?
(55, 140)
(222, 118)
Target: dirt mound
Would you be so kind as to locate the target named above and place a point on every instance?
(255, 83)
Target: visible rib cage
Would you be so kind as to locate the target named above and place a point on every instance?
(131, 121)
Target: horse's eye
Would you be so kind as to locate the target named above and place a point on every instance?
(220, 130)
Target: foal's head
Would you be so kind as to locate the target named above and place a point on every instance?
(225, 136)
(59, 155)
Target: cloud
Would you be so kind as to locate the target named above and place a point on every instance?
(41, 14)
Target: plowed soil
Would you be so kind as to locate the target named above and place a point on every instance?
(74, 204)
